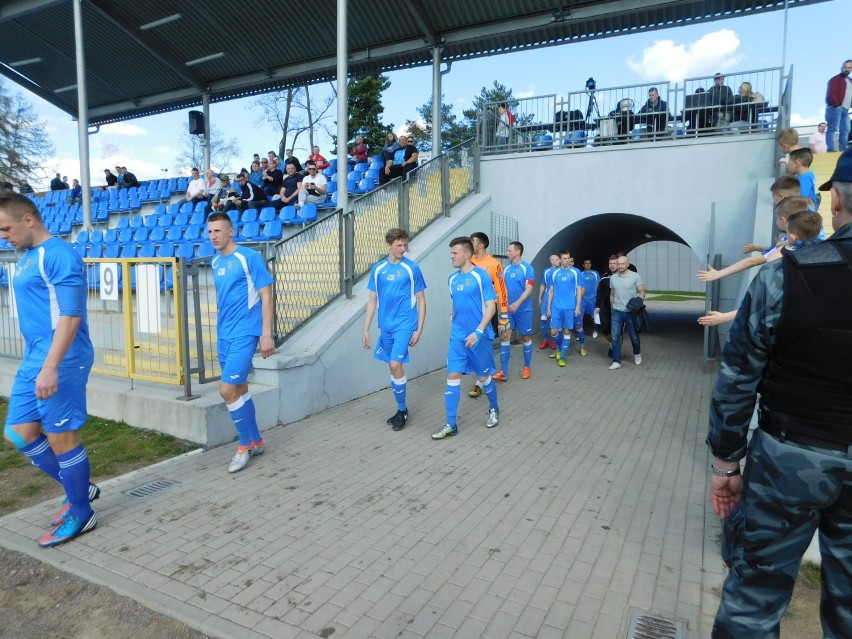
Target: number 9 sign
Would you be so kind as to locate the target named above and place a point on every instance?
(109, 281)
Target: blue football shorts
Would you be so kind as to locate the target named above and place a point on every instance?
(63, 412)
(235, 357)
(561, 319)
(589, 306)
(393, 345)
(521, 321)
(478, 360)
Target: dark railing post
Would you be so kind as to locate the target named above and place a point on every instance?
(476, 157)
(184, 319)
(446, 196)
(403, 204)
(348, 245)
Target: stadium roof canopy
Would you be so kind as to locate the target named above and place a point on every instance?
(149, 56)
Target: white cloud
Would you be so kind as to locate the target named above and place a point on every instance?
(123, 129)
(810, 120)
(520, 95)
(712, 53)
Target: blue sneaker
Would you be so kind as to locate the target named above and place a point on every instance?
(65, 506)
(70, 528)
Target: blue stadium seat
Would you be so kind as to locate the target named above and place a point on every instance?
(83, 237)
(96, 237)
(80, 248)
(180, 219)
(332, 187)
(186, 207)
(164, 220)
(197, 218)
(175, 233)
(146, 249)
(174, 207)
(157, 234)
(185, 250)
(361, 167)
(288, 214)
(543, 142)
(206, 249)
(250, 232)
(111, 250)
(166, 249)
(140, 234)
(200, 206)
(95, 250)
(194, 233)
(150, 221)
(125, 235)
(308, 213)
(111, 236)
(272, 230)
(123, 223)
(128, 250)
(160, 210)
(267, 214)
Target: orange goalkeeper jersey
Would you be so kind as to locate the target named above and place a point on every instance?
(495, 270)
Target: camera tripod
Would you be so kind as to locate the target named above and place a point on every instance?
(592, 108)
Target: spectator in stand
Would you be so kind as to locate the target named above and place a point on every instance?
(800, 166)
(746, 105)
(65, 183)
(655, 114)
(322, 163)
(838, 100)
(720, 98)
(120, 178)
(196, 190)
(503, 130)
(272, 155)
(393, 166)
(129, 178)
(290, 187)
(25, 188)
(314, 186)
(410, 159)
(292, 159)
(359, 150)
(111, 180)
(246, 195)
(213, 183)
(816, 143)
(219, 197)
(56, 183)
(391, 147)
(76, 194)
(272, 177)
(256, 172)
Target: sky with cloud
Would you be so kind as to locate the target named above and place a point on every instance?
(149, 145)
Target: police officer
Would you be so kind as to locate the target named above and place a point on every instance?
(792, 342)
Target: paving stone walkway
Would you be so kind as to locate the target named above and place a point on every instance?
(587, 501)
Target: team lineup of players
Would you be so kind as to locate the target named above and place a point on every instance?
(487, 301)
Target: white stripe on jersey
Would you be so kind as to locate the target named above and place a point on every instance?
(412, 296)
(253, 296)
(51, 290)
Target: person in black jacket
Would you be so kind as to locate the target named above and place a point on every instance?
(247, 195)
(603, 307)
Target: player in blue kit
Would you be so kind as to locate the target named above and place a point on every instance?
(244, 299)
(470, 347)
(544, 301)
(396, 288)
(47, 404)
(519, 277)
(590, 281)
(566, 298)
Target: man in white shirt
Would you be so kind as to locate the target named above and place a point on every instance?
(816, 143)
(314, 186)
(196, 190)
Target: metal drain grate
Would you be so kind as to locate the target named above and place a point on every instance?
(151, 487)
(644, 625)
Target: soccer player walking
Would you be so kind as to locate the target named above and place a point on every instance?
(470, 347)
(47, 404)
(520, 278)
(397, 290)
(244, 299)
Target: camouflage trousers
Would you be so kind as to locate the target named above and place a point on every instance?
(789, 492)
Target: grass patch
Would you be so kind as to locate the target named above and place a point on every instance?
(811, 572)
(113, 447)
(674, 296)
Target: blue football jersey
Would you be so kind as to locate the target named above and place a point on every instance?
(396, 287)
(517, 276)
(470, 291)
(238, 277)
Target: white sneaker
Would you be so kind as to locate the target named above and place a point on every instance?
(493, 418)
(239, 461)
(637, 359)
(614, 366)
(594, 334)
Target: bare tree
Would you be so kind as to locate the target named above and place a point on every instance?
(222, 151)
(294, 111)
(24, 143)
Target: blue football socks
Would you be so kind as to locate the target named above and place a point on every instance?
(528, 349)
(42, 457)
(505, 348)
(242, 415)
(452, 396)
(399, 387)
(74, 473)
(490, 388)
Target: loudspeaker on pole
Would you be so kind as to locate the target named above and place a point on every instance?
(196, 123)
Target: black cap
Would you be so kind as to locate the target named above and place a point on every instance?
(842, 172)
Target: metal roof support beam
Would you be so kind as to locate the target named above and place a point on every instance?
(415, 8)
(23, 7)
(436, 101)
(82, 115)
(177, 68)
(342, 141)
